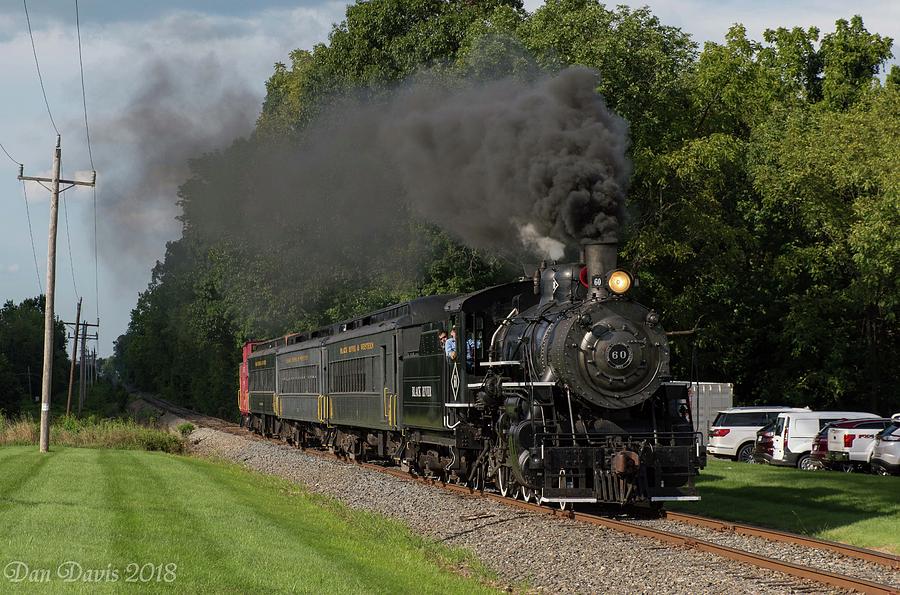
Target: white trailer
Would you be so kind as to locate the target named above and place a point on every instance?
(707, 399)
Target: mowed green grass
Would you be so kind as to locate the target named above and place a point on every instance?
(854, 508)
(227, 530)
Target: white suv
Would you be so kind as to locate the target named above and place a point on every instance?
(733, 432)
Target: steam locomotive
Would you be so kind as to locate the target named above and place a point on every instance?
(557, 389)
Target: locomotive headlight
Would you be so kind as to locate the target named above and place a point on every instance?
(619, 282)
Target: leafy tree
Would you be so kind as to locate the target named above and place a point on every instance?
(852, 58)
(11, 396)
(22, 352)
(642, 62)
(830, 181)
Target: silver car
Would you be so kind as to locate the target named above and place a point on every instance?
(886, 453)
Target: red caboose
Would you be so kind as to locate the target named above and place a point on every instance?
(244, 386)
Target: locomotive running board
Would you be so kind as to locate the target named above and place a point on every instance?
(588, 500)
(514, 384)
(675, 498)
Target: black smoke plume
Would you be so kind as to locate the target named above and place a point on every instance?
(510, 160)
(503, 165)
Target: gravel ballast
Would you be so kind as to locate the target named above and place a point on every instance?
(526, 550)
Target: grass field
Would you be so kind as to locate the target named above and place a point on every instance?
(854, 508)
(90, 432)
(225, 530)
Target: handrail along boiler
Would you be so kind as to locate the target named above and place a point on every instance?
(559, 390)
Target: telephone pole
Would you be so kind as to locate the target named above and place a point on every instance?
(74, 358)
(47, 376)
(80, 332)
(82, 371)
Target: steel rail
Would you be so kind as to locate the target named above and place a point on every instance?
(784, 537)
(759, 561)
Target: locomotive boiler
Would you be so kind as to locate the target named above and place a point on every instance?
(554, 388)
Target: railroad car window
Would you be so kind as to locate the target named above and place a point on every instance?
(300, 380)
(429, 344)
(351, 375)
(390, 314)
(262, 380)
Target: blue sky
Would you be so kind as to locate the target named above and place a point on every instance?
(124, 41)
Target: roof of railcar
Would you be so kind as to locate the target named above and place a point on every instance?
(413, 312)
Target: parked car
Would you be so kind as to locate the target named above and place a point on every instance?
(733, 432)
(795, 431)
(819, 450)
(849, 442)
(885, 458)
(762, 451)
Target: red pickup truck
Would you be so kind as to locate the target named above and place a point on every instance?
(845, 445)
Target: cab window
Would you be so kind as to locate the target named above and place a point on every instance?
(779, 426)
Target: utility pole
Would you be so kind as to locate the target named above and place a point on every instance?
(85, 375)
(80, 332)
(74, 358)
(47, 377)
(82, 372)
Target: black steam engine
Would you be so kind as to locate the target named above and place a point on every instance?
(554, 388)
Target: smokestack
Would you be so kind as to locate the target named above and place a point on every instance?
(600, 258)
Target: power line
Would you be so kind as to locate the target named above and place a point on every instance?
(8, 155)
(87, 130)
(96, 268)
(38, 66)
(37, 269)
(69, 243)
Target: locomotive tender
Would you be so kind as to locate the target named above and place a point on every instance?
(559, 390)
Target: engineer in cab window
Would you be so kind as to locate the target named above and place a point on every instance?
(450, 346)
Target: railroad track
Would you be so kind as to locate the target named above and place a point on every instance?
(789, 568)
(784, 537)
